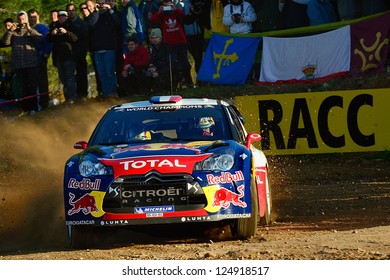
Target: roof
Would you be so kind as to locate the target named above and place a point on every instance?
(172, 101)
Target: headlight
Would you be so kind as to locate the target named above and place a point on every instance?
(91, 167)
(217, 162)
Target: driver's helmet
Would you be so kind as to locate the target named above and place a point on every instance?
(206, 122)
(137, 132)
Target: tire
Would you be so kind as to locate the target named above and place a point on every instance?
(267, 219)
(246, 228)
(268, 210)
(81, 237)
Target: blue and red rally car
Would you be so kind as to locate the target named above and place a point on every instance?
(167, 160)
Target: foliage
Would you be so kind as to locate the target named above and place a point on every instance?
(10, 8)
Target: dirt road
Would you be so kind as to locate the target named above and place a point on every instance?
(325, 206)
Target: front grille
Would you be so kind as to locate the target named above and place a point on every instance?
(154, 189)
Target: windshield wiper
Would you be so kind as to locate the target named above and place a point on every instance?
(216, 144)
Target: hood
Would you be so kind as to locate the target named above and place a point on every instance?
(161, 157)
(155, 149)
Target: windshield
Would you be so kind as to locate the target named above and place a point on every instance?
(135, 125)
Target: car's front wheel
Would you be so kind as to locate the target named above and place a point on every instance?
(81, 237)
(246, 228)
(267, 219)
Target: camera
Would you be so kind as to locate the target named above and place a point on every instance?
(167, 8)
(197, 7)
(237, 18)
(131, 70)
(58, 31)
(19, 27)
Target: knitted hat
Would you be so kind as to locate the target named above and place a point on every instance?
(62, 13)
(155, 32)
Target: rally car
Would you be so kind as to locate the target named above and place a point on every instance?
(167, 160)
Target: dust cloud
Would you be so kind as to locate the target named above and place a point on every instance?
(33, 152)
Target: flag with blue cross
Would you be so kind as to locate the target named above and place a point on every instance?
(228, 60)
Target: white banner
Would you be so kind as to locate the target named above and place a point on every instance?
(304, 58)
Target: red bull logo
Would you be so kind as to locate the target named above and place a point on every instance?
(133, 148)
(85, 184)
(226, 177)
(179, 146)
(224, 197)
(86, 204)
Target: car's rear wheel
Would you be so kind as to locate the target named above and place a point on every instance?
(81, 237)
(246, 228)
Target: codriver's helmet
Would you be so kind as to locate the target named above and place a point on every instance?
(137, 132)
(206, 122)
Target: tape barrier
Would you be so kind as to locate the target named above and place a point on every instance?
(9, 101)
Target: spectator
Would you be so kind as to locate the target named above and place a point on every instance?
(349, 9)
(371, 7)
(80, 51)
(194, 31)
(8, 23)
(7, 90)
(86, 10)
(118, 50)
(321, 12)
(103, 26)
(53, 17)
(294, 13)
(63, 36)
(43, 49)
(134, 66)
(147, 8)
(171, 21)
(131, 23)
(161, 70)
(24, 60)
(269, 17)
(239, 15)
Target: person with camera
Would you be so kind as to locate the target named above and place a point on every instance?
(81, 49)
(161, 64)
(172, 22)
(195, 31)
(103, 27)
(64, 38)
(238, 15)
(43, 50)
(24, 60)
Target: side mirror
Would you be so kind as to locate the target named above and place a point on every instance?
(252, 137)
(80, 145)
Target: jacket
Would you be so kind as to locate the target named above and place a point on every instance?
(63, 44)
(246, 10)
(171, 26)
(23, 43)
(139, 58)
